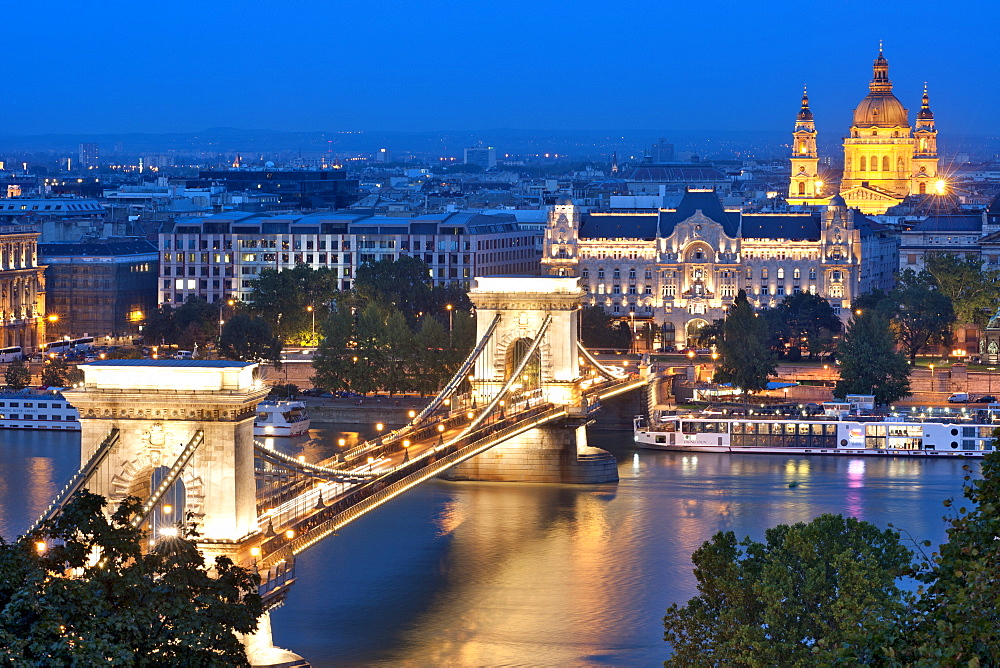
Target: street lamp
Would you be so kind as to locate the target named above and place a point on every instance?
(312, 312)
(222, 305)
(448, 306)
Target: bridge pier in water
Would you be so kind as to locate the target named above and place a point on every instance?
(555, 452)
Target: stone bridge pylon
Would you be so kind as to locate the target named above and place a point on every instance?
(529, 307)
(186, 421)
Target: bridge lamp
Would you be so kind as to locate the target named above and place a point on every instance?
(290, 534)
(254, 552)
(379, 427)
(302, 458)
(167, 509)
(447, 402)
(469, 415)
(440, 428)
(691, 354)
(406, 442)
(168, 532)
(412, 414)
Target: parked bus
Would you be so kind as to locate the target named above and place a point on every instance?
(10, 354)
(68, 345)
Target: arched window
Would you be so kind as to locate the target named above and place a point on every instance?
(802, 188)
(874, 163)
(781, 273)
(923, 188)
(862, 163)
(763, 274)
(885, 163)
(795, 273)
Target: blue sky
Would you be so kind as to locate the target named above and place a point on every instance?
(301, 65)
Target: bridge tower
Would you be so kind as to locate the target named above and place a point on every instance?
(552, 453)
(189, 424)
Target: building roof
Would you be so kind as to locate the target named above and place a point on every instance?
(961, 223)
(706, 201)
(797, 226)
(100, 248)
(618, 225)
(684, 173)
(215, 364)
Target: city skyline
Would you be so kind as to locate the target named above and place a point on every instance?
(310, 66)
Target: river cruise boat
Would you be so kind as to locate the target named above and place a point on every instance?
(281, 418)
(850, 435)
(37, 409)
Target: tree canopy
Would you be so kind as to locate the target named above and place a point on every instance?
(249, 338)
(869, 363)
(802, 320)
(923, 315)
(827, 593)
(973, 291)
(803, 597)
(599, 330)
(17, 375)
(159, 606)
(746, 361)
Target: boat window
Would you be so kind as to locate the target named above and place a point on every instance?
(817, 429)
(791, 429)
(689, 427)
(708, 427)
(660, 438)
(831, 429)
(723, 427)
(803, 429)
(737, 427)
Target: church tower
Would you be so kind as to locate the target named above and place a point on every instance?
(805, 185)
(560, 256)
(925, 158)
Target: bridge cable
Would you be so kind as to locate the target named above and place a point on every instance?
(284, 461)
(79, 480)
(603, 370)
(460, 375)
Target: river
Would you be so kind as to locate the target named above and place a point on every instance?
(475, 574)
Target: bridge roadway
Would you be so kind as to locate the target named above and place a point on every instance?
(377, 471)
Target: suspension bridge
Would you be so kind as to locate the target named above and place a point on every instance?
(179, 435)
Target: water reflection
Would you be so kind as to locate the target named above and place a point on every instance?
(483, 574)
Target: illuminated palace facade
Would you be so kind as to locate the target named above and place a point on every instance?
(884, 158)
(681, 268)
(22, 288)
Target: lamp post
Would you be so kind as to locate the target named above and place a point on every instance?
(222, 305)
(312, 312)
(932, 376)
(448, 306)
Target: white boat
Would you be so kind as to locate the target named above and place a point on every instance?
(830, 435)
(37, 409)
(281, 418)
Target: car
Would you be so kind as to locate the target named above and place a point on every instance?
(988, 399)
(314, 392)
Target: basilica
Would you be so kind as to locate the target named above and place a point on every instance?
(884, 158)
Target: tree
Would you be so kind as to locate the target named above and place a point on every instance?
(55, 371)
(333, 361)
(600, 330)
(805, 596)
(17, 375)
(156, 606)
(805, 318)
(956, 614)
(249, 338)
(972, 290)
(283, 298)
(745, 359)
(869, 363)
(923, 316)
(404, 283)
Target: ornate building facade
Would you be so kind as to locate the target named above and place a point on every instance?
(885, 159)
(22, 288)
(681, 268)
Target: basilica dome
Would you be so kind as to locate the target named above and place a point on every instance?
(880, 108)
